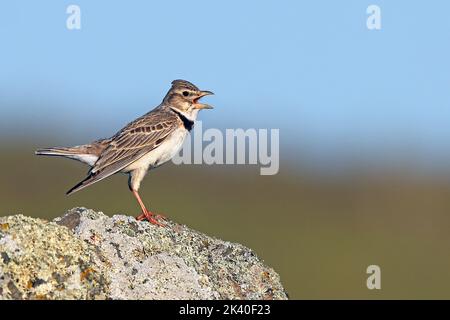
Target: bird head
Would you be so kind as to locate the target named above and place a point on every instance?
(184, 96)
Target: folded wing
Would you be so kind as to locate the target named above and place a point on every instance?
(129, 145)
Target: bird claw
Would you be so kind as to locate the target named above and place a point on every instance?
(152, 218)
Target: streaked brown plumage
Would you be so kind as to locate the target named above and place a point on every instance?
(144, 143)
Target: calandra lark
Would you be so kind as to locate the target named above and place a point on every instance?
(143, 144)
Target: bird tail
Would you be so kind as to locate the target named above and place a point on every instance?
(80, 153)
(89, 154)
(58, 151)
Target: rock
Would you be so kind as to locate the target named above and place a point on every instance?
(88, 255)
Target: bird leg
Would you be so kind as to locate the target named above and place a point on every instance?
(150, 216)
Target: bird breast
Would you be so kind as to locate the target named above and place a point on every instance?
(161, 154)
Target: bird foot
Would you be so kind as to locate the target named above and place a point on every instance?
(152, 218)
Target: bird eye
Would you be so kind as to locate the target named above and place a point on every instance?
(185, 93)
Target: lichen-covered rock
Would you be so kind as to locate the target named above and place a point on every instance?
(40, 260)
(88, 255)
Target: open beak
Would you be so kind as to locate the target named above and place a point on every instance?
(198, 105)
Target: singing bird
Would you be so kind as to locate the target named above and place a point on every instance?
(143, 144)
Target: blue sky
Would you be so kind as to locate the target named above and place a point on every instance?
(310, 68)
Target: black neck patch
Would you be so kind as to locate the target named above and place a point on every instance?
(187, 123)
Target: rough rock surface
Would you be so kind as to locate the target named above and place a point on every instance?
(88, 255)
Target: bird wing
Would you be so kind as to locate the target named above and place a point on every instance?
(130, 144)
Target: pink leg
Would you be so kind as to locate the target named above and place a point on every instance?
(148, 215)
